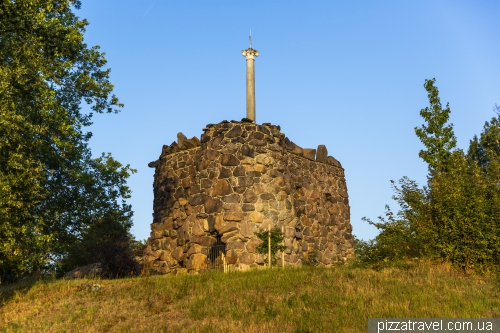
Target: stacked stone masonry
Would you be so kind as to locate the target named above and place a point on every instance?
(239, 179)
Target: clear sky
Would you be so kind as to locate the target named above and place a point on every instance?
(346, 74)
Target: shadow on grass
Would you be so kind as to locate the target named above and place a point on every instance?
(9, 290)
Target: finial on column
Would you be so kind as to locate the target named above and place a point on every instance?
(250, 55)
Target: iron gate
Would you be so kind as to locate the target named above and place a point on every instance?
(216, 259)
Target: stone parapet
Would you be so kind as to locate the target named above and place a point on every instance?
(238, 179)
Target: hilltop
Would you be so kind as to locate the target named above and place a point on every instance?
(306, 299)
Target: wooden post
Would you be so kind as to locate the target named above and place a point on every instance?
(283, 251)
(224, 265)
(269, 245)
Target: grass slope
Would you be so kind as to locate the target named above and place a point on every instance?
(307, 299)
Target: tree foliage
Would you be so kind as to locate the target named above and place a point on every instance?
(51, 189)
(436, 135)
(107, 241)
(276, 242)
(456, 216)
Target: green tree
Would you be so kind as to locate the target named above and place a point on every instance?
(464, 205)
(437, 137)
(51, 189)
(487, 147)
(108, 242)
(276, 243)
(456, 216)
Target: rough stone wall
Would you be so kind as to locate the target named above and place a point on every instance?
(240, 179)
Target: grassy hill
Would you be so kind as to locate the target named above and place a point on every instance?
(306, 299)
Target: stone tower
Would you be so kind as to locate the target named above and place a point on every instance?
(241, 178)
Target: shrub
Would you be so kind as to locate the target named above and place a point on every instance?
(276, 241)
(456, 216)
(110, 244)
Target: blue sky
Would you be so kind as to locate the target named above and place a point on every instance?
(347, 74)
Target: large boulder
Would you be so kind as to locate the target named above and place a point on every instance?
(89, 271)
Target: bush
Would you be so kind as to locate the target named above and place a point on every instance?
(456, 217)
(110, 244)
(276, 241)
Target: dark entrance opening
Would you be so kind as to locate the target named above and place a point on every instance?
(216, 255)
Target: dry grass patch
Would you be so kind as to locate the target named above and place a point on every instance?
(339, 299)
